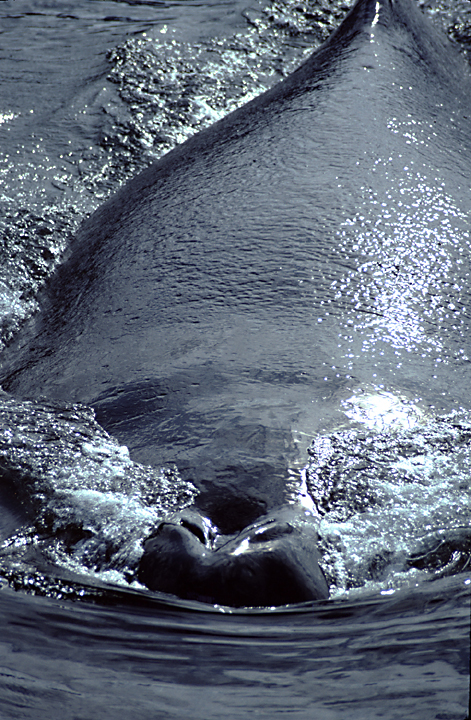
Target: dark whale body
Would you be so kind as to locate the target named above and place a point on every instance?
(272, 562)
(312, 241)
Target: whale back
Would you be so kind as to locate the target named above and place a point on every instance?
(315, 240)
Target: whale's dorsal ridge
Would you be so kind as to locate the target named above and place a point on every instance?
(230, 295)
(399, 23)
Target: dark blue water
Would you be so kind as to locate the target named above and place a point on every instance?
(401, 658)
(80, 112)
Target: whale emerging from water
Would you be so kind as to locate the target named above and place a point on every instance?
(313, 241)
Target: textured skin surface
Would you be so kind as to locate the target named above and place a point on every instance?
(314, 240)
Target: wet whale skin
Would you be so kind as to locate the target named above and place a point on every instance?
(314, 240)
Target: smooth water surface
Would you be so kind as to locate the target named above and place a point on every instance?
(383, 658)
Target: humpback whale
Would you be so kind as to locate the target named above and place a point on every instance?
(314, 241)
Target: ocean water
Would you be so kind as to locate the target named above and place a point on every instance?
(91, 93)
